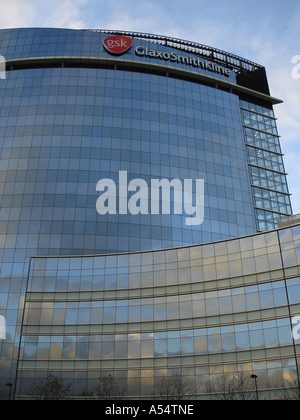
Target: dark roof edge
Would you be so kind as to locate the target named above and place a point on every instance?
(37, 62)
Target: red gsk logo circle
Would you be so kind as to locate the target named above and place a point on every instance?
(117, 44)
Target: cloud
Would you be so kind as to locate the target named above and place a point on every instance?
(69, 14)
(16, 13)
(145, 16)
(55, 13)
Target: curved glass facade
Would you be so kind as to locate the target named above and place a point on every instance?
(205, 313)
(83, 125)
(75, 117)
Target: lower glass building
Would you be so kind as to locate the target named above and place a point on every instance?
(209, 316)
(141, 182)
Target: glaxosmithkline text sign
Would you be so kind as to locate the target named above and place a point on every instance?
(120, 44)
(173, 57)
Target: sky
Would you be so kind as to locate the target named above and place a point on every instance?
(263, 31)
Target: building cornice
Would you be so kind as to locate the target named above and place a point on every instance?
(135, 65)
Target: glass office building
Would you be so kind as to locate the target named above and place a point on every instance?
(101, 273)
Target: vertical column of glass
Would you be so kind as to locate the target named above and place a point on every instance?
(266, 167)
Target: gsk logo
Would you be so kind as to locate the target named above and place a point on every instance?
(117, 44)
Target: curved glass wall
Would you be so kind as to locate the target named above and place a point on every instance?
(205, 314)
(65, 129)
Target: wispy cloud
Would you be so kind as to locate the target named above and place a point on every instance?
(69, 14)
(16, 13)
(55, 13)
(145, 16)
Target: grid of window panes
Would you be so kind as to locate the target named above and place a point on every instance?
(198, 341)
(82, 359)
(65, 129)
(269, 184)
(120, 315)
(159, 308)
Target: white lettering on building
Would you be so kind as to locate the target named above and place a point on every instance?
(187, 198)
(296, 328)
(173, 57)
(2, 328)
